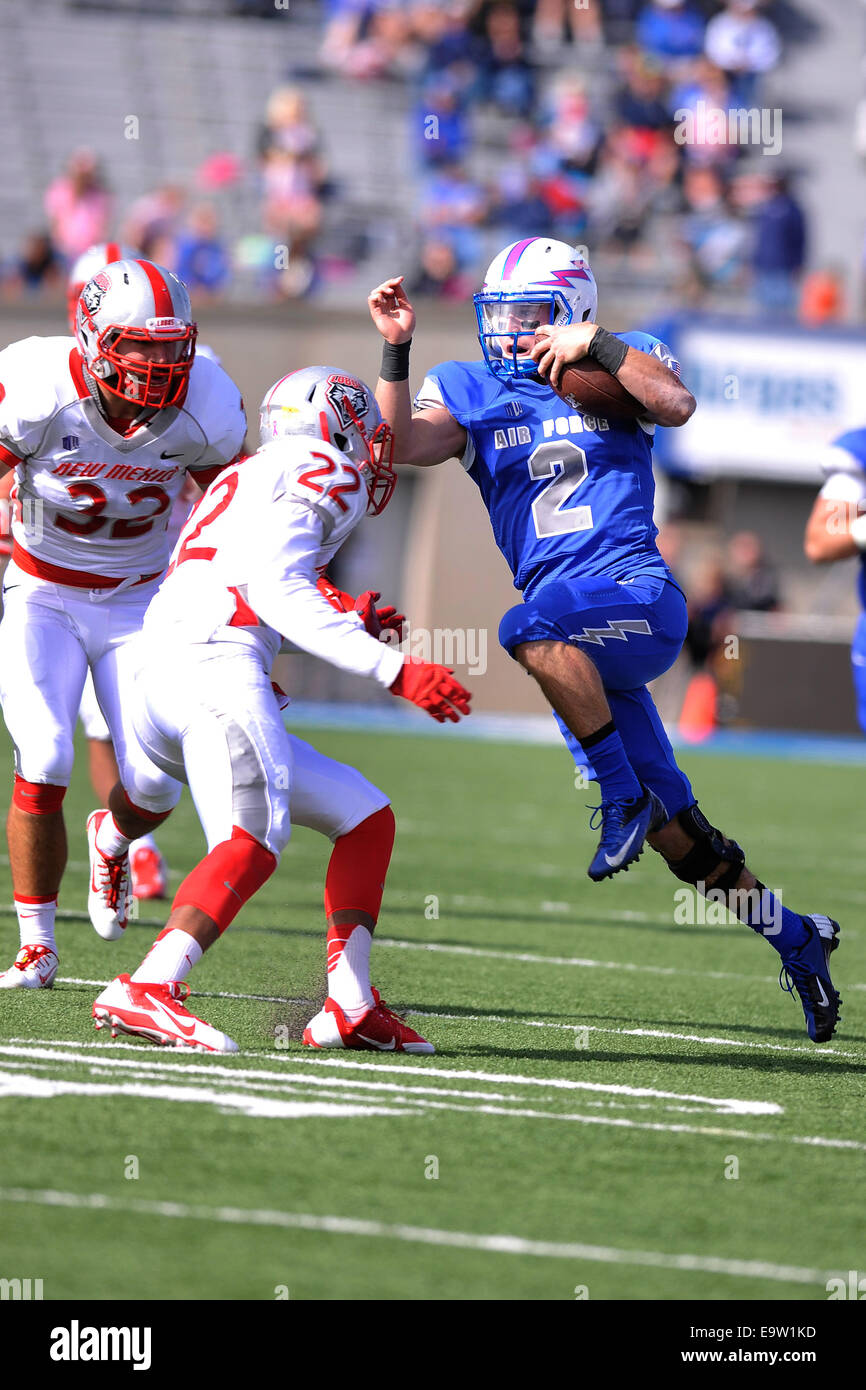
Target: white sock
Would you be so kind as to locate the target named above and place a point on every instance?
(36, 922)
(143, 842)
(110, 839)
(349, 969)
(172, 957)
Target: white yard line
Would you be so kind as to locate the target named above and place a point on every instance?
(404, 1102)
(724, 1105)
(419, 1235)
(811, 1051)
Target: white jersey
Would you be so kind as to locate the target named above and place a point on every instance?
(247, 562)
(88, 502)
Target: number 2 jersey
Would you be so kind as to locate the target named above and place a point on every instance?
(246, 565)
(568, 493)
(88, 503)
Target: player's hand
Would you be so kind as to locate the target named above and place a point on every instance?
(557, 348)
(391, 621)
(375, 620)
(432, 688)
(391, 311)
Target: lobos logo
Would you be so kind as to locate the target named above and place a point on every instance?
(348, 398)
(94, 290)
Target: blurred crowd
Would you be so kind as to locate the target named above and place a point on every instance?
(520, 115)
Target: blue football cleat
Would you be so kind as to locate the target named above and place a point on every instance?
(806, 969)
(624, 827)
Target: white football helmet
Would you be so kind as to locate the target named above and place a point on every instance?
(135, 332)
(84, 269)
(328, 404)
(530, 283)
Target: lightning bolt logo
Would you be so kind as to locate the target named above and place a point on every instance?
(617, 630)
(563, 279)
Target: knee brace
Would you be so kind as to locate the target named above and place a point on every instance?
(38, 798)
(710, 850)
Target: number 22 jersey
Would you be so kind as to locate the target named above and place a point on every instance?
(568, 493)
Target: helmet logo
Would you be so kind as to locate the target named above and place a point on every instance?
(94, 290)
(347, 398)
(564, 278)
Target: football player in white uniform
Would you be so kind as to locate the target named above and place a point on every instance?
(243, 578)
(147, 867)
(101, 432)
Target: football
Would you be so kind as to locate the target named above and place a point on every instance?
(588, 387)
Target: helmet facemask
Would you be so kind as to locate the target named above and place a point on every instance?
(505, 317)
(375, 460)
(147, 365)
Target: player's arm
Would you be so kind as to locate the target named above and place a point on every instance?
(645, 376)
(225, 427)
(286, 596)
(836, 528)
(428, 436)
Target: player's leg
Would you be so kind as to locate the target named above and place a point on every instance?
(356, 816)
(578, 638)
(700, 855)
(140, 800)
(147, 867)
(42, 670)
(237, 761)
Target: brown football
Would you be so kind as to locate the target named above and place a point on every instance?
(588, 387)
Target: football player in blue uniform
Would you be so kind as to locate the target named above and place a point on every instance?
(570, 500)
(836, 530)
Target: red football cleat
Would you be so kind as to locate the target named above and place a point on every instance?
(380, 1030)
(157, 1012)
(148, 871)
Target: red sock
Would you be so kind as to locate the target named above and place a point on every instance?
(227, 878)
(358, 866)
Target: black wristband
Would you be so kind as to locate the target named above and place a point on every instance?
(395, 361)
(609, 352)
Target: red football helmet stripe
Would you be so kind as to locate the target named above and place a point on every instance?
(164, 309)
(113, 252)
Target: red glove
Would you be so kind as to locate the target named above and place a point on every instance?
(432, 688)
(375, 620)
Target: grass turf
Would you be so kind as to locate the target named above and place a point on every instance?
(529, 974)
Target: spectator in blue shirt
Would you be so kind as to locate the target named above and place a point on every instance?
(202, 261)
(779, 249)
(669, 29)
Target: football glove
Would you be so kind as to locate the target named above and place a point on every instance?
(433, 688)
(375, 620)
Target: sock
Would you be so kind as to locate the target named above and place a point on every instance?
(227, 878)
(171, 957)
(765, 914)
(359, 864)
(36, 920)
(143, 842)
(110, 839)
(349, 970)
(611, 766)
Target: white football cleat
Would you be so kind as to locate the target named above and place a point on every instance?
(156, 1012)
(110, 895)
(34, 968)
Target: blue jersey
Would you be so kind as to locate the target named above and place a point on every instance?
(568, 493)
(854, 444)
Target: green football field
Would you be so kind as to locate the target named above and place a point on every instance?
(621, 1105)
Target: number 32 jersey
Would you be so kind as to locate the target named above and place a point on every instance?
(567, 492)
(88, 502)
